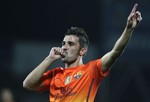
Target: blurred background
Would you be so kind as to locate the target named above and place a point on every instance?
(31, 27)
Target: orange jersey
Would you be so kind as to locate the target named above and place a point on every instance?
(79, 84)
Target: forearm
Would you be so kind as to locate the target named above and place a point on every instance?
(122, 41)
(109, 58)
(133, 20)
(33, 79)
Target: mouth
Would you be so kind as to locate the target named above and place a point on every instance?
(64, 54)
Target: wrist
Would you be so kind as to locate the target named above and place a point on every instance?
(129, 29)
(50, 59)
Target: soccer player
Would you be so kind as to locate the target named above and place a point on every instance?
(77, 82)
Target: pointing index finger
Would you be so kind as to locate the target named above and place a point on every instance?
(134, 8)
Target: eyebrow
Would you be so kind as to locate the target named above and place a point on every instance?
(68, 42)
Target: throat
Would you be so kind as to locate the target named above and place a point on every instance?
(78, 62)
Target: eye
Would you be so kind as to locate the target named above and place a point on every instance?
(71, 43)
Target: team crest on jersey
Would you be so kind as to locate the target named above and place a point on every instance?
(78, 75)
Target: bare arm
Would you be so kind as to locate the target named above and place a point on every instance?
(33, 80)
(109, 58)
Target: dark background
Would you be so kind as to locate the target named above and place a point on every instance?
(29, 28)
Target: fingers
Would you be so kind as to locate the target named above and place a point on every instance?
(135, 14)
(138, 15)
(134, 8)
(58, 51)
(134, 18)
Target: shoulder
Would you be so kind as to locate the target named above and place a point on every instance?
(96, 62)
(54, 71)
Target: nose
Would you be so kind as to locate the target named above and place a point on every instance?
(65, 47)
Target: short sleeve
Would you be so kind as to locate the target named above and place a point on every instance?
(99, 66)
(45, 80)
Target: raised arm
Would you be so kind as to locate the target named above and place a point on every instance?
(33, 80)
(133, 20)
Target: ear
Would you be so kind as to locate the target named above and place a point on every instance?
(83, 51)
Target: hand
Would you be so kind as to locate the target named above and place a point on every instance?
(56, 53)
(134, 18)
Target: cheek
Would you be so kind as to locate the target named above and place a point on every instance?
(73, 53)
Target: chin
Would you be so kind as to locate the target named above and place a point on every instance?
(63, 60)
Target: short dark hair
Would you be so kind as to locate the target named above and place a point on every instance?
(79, 32)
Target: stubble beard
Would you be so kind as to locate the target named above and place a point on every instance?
(66, 60)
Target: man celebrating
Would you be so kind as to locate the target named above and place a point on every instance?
(77, 82)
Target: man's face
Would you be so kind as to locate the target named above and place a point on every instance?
(71, 48)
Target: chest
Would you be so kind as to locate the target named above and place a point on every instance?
(70, 78)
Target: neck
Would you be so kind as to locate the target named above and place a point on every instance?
(78, 62)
